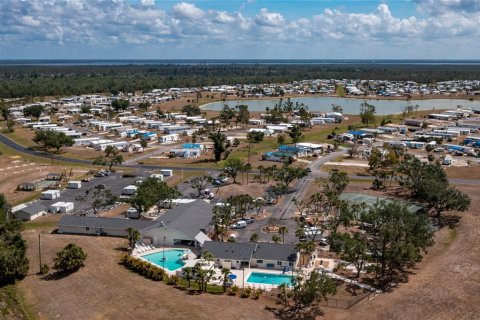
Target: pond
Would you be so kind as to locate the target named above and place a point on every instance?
(349, 105)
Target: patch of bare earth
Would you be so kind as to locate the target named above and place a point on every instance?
(105, 290)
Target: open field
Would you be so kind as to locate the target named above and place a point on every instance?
(103, 289)
(17, 169)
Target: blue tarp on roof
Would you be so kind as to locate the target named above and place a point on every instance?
(357, 133)
(191, 146)
(288, 149)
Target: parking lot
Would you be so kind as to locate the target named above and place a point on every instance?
(113, 182)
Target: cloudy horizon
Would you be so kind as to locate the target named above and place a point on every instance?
(261, 29)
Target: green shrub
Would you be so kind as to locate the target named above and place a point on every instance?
(245, 293)
(44, 269)
(232, 291)
(143, 268)
(256, 293)
(172, 280)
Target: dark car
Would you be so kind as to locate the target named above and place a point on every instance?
(249, 220)
(100, 186)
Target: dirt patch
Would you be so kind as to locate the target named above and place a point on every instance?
(105, 290)
(15, 170)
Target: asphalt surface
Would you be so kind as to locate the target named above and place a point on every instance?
(15, 146)
(283, 214)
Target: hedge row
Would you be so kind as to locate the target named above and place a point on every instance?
(144, 268)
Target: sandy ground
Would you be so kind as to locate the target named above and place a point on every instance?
(15, 170)
(105, 290)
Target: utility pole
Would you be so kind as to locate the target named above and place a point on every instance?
(39, 253)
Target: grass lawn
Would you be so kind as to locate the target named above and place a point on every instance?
(48, 222)
(22, 136)
(13, 304)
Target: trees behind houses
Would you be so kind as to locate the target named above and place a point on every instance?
(190, 110)
(152, 192)
(34, 111)
(49, 139)
(120, 104)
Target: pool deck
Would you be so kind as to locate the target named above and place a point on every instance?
(142, 251)
(241, 281)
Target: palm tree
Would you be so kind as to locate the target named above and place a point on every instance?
(283, 294)
(283, 230)
(133, 236)
(276, 239)
(225, 273)
(188, 274)
(207, 256)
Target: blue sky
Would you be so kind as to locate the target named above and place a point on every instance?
(251, 29)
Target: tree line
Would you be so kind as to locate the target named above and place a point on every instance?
(37, 81)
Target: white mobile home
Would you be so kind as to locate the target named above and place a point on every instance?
(85, 141)
(62, 207)
(50, 194)
(74, 184)
(169, 138)
(129, 190)
(186, 153)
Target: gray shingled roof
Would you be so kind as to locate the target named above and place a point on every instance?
(247, 250)
(230, 250)
(107, 223)
(189, 218)
(275, 251)
(34, 209)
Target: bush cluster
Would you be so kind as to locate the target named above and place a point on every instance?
(144, 268)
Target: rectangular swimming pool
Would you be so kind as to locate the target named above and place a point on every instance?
(173, 258)
(269, 278)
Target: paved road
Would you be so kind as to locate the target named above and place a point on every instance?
(15, 146)
(315, 166)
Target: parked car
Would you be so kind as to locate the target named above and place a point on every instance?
(239, 225)
(100, 186)
(439, 149)
(249, 220)
(88, 179)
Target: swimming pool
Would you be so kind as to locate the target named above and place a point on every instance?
(269, 278)
(173, 258)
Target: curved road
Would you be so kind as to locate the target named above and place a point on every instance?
(15, 146)
(314, 166)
